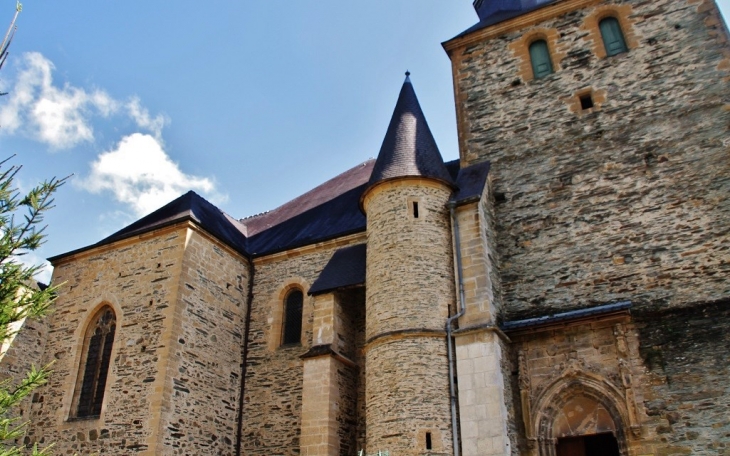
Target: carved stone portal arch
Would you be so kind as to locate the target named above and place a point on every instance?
(578, 404)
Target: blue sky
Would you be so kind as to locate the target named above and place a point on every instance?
(249, 103)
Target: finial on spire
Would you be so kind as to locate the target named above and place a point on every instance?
(408, 73)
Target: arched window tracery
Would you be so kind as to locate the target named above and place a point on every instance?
(94, 366)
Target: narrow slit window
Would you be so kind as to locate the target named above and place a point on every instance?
(613, 37)
(429, 443)
(293, 306)
(540, 59)
(415, 209)
(94, 369)
(586, 101)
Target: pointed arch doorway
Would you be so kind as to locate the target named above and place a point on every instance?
(584, 427)
(581, 424)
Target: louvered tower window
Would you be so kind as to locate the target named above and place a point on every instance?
(293, 306)
(95, 366)
(540, 59)
(613, 38)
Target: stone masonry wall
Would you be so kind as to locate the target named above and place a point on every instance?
(139, 279)
(273, 394)
(25, 351)
(627, 200)
(410, 278)
(407, 395)
(687, 393)
(203, 381)
(480, 266)
(410, 290)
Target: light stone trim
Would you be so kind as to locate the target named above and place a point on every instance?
(276, 312)
(624, 15)
(518, 23)
(482, 410)
(160, 402)
(521, 50)
(596, 358)
(477, 268)
(126, 242)
(320, 395)
(401, 335)
(357, 238)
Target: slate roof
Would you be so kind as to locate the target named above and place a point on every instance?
(500, 16)
(346, 268)
(354, 177)
(566, 316)
(409, 148)
(470, 182)
(189, 206)
(338, 217)
(330, 210)
(326, 212)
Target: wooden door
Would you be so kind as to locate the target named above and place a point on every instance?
(588, 445)
(572, 446)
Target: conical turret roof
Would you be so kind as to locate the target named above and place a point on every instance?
(409, 149)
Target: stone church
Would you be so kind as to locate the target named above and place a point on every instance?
(562, 289)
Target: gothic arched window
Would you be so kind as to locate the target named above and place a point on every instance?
(540, 59)
(95, 360)
(613, 37)
(292, 327)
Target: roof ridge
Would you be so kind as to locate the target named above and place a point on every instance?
(321, 194)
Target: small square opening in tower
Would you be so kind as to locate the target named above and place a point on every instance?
(586, 101)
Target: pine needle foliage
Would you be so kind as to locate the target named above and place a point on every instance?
(22, 231)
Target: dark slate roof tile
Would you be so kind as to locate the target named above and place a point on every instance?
(338, 217)
(328, 211)
(566, 316)
(501, 16)
(346, 268)
(322, 194)
(409, 148)
(470, 182)
(189, 206)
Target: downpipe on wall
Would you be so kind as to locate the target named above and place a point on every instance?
(449, 327)
(244, 355)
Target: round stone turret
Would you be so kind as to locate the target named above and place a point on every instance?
(409, 289)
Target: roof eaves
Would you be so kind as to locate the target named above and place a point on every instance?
(566, 316)
(493, 20)
(299, 245)
(112, 239)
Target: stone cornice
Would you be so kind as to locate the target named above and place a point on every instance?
(520, 22)
(311, 248)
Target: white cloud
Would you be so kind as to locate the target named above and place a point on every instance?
(62, 116)
(31, 259)
(142, 117)
(57, 116)
(140, 174)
